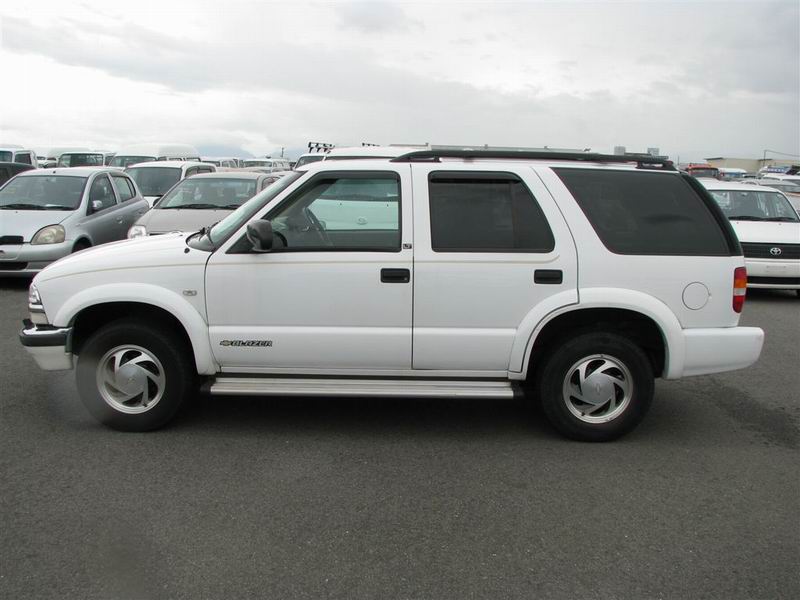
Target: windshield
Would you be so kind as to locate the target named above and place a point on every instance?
(258, 163)
(220, 232)
(80, 160)
(304, 160)
(788, 187)
(127, 161)
(5, 156)
(42, 192)
(154, 181)
(207, 193)
(740, 205)
(713, 173)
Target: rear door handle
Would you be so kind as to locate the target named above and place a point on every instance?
(395, 275)
(548, 276)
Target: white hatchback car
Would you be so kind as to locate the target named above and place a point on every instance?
(768, 228)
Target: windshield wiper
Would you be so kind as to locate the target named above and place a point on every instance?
(787, 219)
(57, 207)
(230, 206)
(196, 205)
(23, 206)
(746, 218)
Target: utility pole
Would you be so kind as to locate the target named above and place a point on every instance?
(282, 149)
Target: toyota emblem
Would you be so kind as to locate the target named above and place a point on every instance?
(775, 251)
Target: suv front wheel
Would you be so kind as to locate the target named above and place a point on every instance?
(133, 376)
(596, 386)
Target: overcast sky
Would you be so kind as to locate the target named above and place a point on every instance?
(693, 78)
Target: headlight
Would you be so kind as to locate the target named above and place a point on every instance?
(137, 231)
(52, 234)
(34, 298)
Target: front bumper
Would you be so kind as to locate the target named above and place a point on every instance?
(48, 345)
(720, 349)
(773, 273)
(25, 260)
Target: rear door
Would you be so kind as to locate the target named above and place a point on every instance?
(104, 221)
(490, 246)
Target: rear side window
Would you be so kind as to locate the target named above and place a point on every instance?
(485, 212)
(124, 188)
(636, 212)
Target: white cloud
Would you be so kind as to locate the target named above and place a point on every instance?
(688, 77)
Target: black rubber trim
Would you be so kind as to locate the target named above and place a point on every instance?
(48, 336)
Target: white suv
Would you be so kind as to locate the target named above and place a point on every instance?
(574, 277)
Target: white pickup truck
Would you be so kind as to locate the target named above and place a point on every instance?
(574, 278)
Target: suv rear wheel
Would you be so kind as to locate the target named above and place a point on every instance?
(596, 386)
(133, 376)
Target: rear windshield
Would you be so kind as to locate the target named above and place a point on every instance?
(636, 212)
(746, 205)
(41, 192)
(127, 161)
(207, 193)
(700, 172)
(154, 181)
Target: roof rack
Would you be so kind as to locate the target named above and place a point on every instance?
(643, 161)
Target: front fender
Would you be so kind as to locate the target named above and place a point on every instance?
(664, 318)
(192, 321)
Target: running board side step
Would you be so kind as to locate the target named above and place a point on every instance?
(377, 388)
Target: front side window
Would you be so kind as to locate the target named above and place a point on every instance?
(304, 160)
(207, 193)
(154, 181)
(24, 158)
(6, 156)
(485, 212)
(347, 212)
(101, 192)
(746, 205)
(640, 212)
(40, 192)
(124, 188)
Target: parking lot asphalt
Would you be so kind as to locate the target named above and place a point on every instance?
(318, 498)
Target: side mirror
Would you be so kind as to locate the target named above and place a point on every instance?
(259, 234)
(97, 205)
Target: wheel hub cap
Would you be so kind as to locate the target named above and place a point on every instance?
(130, 379)
(598, 388)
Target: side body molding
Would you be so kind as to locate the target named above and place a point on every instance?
(192, 321)
(649, 306)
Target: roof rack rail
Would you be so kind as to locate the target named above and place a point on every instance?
(643, 161)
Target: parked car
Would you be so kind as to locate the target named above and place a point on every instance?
(9, 169)
(139, 153)
(308, 158)
(790, 188)
(701, 170)
(221, 161)
(12, 153)
(54, 154)
(48, 214)
(80, 159)
(200, 201)
(276, 164)
(768, 228)
(574, 277)
(156, 178)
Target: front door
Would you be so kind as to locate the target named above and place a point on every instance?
(336, 290)
(490, 247)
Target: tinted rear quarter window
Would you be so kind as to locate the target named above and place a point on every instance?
(489, 212)
(636, 212)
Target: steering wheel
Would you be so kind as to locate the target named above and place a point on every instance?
(315, 224)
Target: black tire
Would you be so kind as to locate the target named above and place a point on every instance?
(175, 360)
(81, 245)
(560, 364)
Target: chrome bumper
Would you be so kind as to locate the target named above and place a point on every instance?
(48, 345)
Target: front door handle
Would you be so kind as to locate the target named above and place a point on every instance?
(395, 275)
(548, 276)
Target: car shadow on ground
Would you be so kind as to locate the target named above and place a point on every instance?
(766, 295)
(14, 283)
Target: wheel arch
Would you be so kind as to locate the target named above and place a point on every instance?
(637, 315)
(93, 307)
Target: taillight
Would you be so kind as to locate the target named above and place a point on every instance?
(739, 288)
